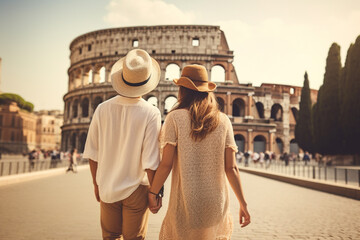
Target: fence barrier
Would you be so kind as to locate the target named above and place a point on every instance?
(349, 175)
(24, 166)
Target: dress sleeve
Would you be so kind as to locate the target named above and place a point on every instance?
(150, 150)
(169, 132)
(230, 139)
(91, 149)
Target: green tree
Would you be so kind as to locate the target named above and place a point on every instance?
(303, 131)
(329, 107)
(6, 98)
(351, 99)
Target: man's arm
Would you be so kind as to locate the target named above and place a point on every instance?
(93, 169)
(150, 174)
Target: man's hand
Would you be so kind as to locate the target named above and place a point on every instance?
(96, 191)
(155, 203)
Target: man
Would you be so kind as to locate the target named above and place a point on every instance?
(122, 147)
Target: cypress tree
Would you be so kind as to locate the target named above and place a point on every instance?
(316, 125)
(303, 132)
(351, 99)
(329, 103)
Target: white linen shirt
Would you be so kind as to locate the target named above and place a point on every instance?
(123, 140)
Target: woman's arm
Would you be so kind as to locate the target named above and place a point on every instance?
(161, 175)
(233, 176)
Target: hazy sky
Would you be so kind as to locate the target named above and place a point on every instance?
(274, 41)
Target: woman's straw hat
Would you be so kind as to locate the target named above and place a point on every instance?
(136, 74)
(195, 77)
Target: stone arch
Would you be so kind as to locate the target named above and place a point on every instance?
(259, 143)
(75, 109)
(218, 73)
(89, 79)
(172, 71)
(77, 78)
(221, 103)
(67, 109)
(240, 142)
(153, 100)
(102, 74)
(279, 145)
(260, 109)
(295, 112)
(294, 147)
(238, 107)
(169, 102)
(277, 112)
(82, 141)
(85, 107)
(97, 101)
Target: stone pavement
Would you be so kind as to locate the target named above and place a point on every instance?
(63, 207)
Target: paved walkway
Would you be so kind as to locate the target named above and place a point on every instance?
(63, 207)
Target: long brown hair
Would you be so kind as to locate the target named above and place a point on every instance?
(204, 111)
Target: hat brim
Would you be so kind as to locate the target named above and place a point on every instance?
(123, 89)
(195, 85)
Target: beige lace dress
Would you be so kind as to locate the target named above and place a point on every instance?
(199, 202)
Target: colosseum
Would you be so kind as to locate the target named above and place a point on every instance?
(263, 117)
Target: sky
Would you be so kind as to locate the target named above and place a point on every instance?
(273, 41)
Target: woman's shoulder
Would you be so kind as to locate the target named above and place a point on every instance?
(178, 113)
(224, 118)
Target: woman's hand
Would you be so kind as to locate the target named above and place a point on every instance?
(244, 216)
(155, 203)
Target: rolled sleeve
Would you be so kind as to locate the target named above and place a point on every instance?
(168, 133)
(91, 149)
(229, 139)
(150, 150)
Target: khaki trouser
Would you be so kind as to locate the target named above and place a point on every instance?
(127, 218)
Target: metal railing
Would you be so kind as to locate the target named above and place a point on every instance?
(342, 175)
(12, 167)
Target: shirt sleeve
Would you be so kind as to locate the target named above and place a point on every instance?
(91, 149)
(150, 150)
(168, 132)
(230, 139)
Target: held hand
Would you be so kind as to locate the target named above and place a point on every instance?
(96, 191)
(244, 217)
(155, 203)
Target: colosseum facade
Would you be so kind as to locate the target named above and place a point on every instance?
(263, 117)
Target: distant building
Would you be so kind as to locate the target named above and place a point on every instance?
(17, 129)
(22, 131)
(48, 129)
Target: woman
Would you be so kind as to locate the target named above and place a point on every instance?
(198, 145)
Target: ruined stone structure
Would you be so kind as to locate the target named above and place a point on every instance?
(263, 117)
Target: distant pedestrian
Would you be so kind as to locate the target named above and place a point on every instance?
(73, 161)
(255, 157)
(267, 159)
(31, 158)
(247, 158)
(261, 159)
(286, 158)
(306, 158)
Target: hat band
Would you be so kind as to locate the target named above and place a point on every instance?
(135, 84)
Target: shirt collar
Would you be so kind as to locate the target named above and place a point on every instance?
(122, 99)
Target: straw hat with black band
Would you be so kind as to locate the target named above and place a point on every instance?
(136, 74)
(195, 77)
